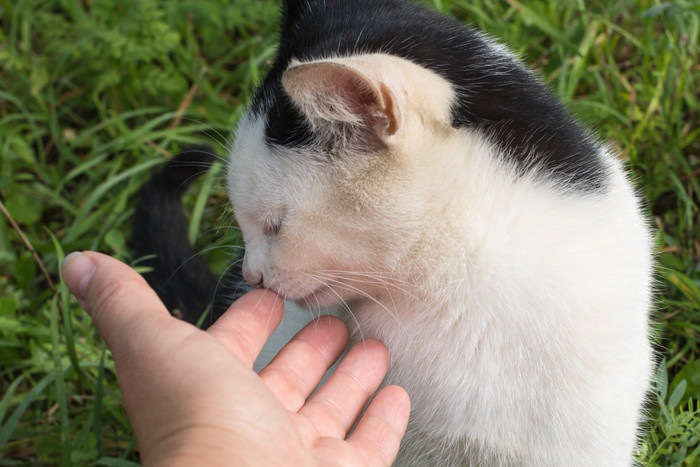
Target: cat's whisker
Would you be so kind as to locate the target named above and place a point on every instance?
(387, 286)
(223, 141)
(342, 303)
(269, 317)
(198, 253)
(359, 273)
(223, 224)
(372, 274)
(194, 175)
(217, 230)
(371, 279)
(339, 283)
(211, 153)
(218, 288)
(309, 306)
(227, 220)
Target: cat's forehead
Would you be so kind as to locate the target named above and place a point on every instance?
(257, 168)
(264, 178)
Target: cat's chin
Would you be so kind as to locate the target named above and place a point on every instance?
(323, 297)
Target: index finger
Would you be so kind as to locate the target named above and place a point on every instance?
(248, 323)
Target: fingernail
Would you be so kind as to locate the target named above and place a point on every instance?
(77, 271)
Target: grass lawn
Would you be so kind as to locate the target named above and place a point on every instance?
(94, 94)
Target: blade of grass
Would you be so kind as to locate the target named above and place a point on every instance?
(531, 16)
(60, 382)
(64, 296)
(7, 398)
(204, 194)
(97, 414)
(11, 423)
(77, 227)
(116, 462)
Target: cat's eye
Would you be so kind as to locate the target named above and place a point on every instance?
(272, 228)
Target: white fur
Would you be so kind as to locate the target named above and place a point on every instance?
(516, 312)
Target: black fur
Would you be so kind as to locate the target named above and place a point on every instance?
(181, 277)
(497, 95)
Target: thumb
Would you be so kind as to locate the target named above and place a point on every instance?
(116, 297)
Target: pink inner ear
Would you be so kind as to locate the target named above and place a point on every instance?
(335, 90)
(359, 95)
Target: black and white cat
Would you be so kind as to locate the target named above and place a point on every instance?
(410, 169)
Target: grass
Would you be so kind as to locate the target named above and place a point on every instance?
(95, 94)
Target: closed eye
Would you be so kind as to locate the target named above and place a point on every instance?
(272, 228)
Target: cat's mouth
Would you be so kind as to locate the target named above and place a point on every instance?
(299, 296)
(324, 295)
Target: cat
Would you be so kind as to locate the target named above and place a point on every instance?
(411, 170)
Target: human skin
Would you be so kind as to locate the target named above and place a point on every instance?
(193, 398)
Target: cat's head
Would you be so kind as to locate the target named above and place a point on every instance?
(340, 202)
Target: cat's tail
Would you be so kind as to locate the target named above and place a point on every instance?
(180, 276)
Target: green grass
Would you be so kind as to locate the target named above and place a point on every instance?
(95, 94)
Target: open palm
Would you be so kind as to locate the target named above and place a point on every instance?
(193, 398)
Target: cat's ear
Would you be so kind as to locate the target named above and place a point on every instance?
(331, 92)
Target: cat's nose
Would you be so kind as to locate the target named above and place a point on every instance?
(255, 279)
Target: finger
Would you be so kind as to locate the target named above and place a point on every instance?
(377, 437)
(296, 370)
(379, 431)
(117, 298)
(337, 404)
(248, 323)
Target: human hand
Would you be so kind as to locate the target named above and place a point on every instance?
(193, 398)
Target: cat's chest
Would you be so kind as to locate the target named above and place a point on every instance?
(470, 372)
(438, 363)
